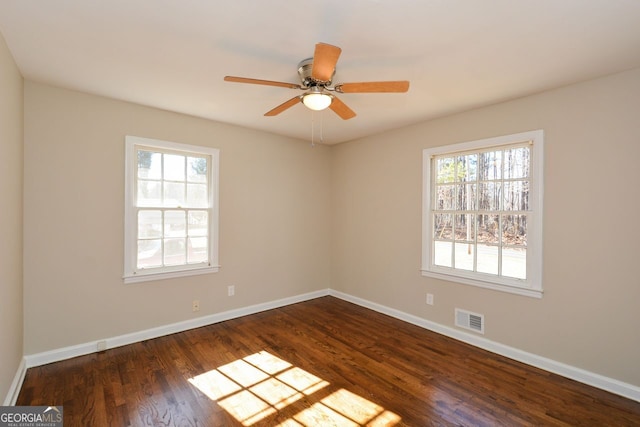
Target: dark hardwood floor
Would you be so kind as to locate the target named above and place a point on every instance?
(323, 362)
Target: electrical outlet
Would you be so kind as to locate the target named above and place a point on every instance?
(430, 299)
(196, 305)
(231, 290)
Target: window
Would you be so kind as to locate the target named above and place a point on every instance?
(171, 210)
(482, 213)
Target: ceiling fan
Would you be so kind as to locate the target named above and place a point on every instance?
(316, 75)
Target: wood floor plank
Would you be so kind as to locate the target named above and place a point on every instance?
(316, 363)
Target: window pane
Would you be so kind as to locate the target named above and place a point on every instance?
(169, 208)
(149, 224)
(175, 224)
(489, 196)
(490, 165)
(516, 196)
(197, 196)
(514, 262)
(487, 259)
(444, 197)
(445, 170)
(488, 229)
(149, 165)
(466, 197)
(516, 163)
(442, 226)
(465, 227)
(149, 253)
(442, 254)
(175, 251)
(464, 256)
(482, 200)
(514, 230)
(197, 169)
(467, 167)
(198, 223)
(198, 250)
(174, 167)
(148, 193)
(174, 194)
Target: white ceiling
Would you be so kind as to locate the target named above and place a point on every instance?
(458, 54)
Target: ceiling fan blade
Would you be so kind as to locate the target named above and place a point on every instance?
(284, 106)
(324, 61)
(374, 87)
(235, 79)
(341, 109)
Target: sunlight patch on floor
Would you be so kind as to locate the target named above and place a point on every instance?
(321, 415)
(344, 408)
(359, 409)
(261, 384)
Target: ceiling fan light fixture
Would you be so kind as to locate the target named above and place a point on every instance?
(316, 99)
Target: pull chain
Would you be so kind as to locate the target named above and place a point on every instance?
(321, 128)
(313, 132)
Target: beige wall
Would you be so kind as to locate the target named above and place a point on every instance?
(274, 219)
(11, 119)
(589, 314)
(296, 219)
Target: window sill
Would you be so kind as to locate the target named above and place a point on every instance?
(527, 292)
(150, 276)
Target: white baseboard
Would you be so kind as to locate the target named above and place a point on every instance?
(16, 385)
(56, 355)
(629, 391)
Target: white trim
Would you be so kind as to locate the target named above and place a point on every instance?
(64, 353)
(532, 286)
(169, 274)
(534, 293)
(627, 390)
(602, 382)
(16, 384)
(131, 273)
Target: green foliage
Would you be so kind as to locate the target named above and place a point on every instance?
(447, 171)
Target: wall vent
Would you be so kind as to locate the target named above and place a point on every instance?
(468, 320)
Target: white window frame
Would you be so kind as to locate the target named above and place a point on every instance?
(532, 285)
(131, 273)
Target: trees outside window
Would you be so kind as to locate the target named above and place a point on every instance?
(482, 213)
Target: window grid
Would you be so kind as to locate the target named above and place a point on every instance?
(171, 210)
(471, 181)
(189, 236)
(165, 205)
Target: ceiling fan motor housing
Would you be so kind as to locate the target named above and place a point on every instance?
(304, 71)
